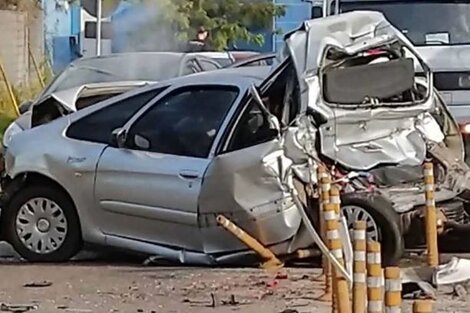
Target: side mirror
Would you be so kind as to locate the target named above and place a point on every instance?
(24, 107)
(118, 138)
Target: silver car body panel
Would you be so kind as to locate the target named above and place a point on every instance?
(242, 187)
(165, 204)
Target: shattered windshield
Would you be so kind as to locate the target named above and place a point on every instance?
(126, 67)
(424, 23)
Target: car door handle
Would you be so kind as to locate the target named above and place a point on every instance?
(188, 174)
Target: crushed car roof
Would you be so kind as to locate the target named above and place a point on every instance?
(341, 30)
(129, 54)
(229, 76)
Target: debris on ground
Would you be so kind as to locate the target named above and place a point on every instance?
(460, 292)
(420, 290)
(289, 311)
(38, 284)
(67, 309)
(111, 288)
(281, 275)
(17, 308)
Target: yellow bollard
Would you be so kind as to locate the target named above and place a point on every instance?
(375, 279)
(422, 306)
(336, 202)
(321, 173)
(392, 290)
(325, 199)
(430, 216)
(359, 267)
(341, 302)
(272, 262)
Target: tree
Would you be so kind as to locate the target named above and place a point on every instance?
(227, 21)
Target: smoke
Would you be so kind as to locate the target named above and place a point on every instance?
(144, 27)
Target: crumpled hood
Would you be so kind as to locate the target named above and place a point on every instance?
(69, 97)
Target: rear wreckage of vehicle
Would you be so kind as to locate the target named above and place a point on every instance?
(351, 93)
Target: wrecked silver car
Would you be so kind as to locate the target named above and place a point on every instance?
(93, 184)
(373, 117)
(150, 170)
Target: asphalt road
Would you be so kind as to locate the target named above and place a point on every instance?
(98, 284)
(98, 288)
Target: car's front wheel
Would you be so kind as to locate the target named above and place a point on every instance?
(42, 225)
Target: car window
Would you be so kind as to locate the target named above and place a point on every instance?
(253, 128)
(184, 123)
(98, 126)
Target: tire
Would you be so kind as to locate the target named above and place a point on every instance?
(50, 219)
(387, 221)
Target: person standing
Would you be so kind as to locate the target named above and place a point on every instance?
(201, 42)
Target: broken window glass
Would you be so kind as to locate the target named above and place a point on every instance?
(98, 126)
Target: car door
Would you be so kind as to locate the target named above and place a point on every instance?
(148, 188)
(240, 183)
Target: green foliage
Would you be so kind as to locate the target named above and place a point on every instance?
(227, 21)
(5, 121)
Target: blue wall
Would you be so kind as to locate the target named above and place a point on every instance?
(60, 24)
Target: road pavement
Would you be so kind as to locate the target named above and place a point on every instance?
(94, 287)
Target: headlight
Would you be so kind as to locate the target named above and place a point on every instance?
(11, 131)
